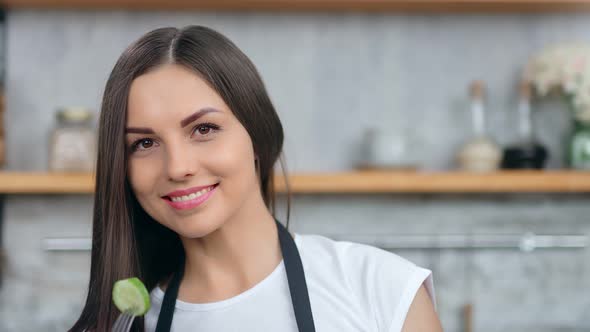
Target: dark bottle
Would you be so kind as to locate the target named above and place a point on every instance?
(526, 152)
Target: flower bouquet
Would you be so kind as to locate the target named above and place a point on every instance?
(565, 69)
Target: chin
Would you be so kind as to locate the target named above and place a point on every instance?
(197, 227)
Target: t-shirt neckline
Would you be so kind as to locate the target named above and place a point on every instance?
(208, 306)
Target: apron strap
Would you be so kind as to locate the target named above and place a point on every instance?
(169, 301)
(295, 278)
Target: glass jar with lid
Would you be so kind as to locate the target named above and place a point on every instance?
(73, 141)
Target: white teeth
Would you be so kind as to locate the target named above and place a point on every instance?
(191, 196)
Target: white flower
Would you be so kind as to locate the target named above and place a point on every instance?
(565, 67)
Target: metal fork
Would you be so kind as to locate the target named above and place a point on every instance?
(123, 322)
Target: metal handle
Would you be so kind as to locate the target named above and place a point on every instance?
(67, 244)
(527, 242)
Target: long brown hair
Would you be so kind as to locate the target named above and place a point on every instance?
(126, 241)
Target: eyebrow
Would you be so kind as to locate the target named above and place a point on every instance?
(131, 130)
(185, 122)
(197, 115)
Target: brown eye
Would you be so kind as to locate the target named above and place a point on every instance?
(203, 129)
(142, 144)
(146, 143)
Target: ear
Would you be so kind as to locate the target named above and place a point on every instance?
(257, 167)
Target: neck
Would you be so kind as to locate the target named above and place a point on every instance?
(233, 258)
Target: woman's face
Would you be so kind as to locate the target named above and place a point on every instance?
(191, 162)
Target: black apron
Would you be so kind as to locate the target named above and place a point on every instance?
(295, 277)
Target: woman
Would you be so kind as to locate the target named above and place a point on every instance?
(184, 200)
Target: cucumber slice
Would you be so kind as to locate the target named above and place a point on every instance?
(131, 296)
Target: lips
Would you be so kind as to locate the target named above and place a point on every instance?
(190, 199)
(186, 192)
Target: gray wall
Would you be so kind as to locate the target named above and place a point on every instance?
(330, 76)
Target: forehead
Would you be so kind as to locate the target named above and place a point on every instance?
(170, 91)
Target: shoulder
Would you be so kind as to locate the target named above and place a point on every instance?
(381, 281)
(360, 259)
(422, 316)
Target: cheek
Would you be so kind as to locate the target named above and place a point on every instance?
(143, 181)
(141, 178)
(235, 160)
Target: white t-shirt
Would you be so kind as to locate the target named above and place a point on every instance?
(352, 287)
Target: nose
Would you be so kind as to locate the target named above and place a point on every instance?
(181, 163)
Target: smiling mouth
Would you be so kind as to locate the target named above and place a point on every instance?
(186, 198)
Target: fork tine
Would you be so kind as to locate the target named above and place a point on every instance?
(121, 322)
(117, 324)
(131, 319)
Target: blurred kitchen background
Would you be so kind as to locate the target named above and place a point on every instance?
(429, 95)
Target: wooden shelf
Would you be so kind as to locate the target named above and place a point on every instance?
(361, 182)
(435, 6)
(46, 183)
(442, 182)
